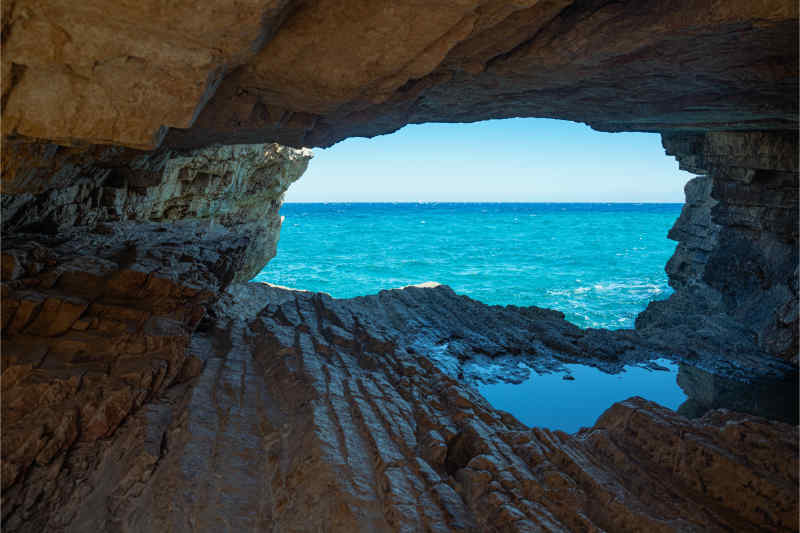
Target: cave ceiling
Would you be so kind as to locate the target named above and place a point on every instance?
(187, 74)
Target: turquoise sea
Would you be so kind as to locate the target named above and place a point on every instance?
(600, 264)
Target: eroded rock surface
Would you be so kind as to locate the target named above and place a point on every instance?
(735, 270)
(313, 73)
(103, 283)
(125, 410)
(210, 194)
(306, 416)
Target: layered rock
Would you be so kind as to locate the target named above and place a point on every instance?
(124, 410)
(105, 276)
(313, 73)
(735, 270)
(217, 193)
(315, 413)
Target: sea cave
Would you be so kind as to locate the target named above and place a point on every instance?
(149, 385)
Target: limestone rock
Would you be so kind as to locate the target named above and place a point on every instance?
(105, 275)
(121, 73)
(313, 73)
(216, 190)
(138, 395)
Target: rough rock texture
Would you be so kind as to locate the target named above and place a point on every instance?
(216, 193)
(101, 290)
(735, 270)
(314, 72)
(309, 417)
(122, 73)
(124, 410)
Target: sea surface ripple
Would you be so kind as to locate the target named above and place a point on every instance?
(600, 264)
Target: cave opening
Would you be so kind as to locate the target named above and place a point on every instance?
(521, 212)
(509, 212)
(147, 386)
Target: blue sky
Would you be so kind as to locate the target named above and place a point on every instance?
(512, 160)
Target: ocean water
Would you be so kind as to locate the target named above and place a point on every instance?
(600, 264)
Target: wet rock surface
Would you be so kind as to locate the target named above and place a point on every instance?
(775, 399)
(303, 406)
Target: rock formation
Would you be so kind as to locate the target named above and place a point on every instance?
(145, 389)
(105, 277)
(309, 73)
(319, 413)
(735, 270)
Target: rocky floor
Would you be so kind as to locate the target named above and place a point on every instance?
(307, 416)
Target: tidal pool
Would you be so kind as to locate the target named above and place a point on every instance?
(550, 401)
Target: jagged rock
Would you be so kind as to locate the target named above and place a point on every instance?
(307, 416)
(125, 409)
(735, 270)
(103, 283)
(211, 191)
(313, 73)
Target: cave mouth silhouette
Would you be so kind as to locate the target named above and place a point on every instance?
(347, 261)
(492, 208)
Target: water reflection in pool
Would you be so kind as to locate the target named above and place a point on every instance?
(551, 401)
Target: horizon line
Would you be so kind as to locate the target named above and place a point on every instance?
(469, 202)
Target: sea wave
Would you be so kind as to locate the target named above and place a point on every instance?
(599, 264)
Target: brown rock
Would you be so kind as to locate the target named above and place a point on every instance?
(293, 411)
(97, 323)
(56, 316)
(275, 424)
(314, 73)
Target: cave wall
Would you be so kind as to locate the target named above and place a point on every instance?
(735, 269)
(141, 386)
(145, 390)
(106, 273)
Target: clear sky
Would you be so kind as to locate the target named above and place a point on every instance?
(512, 160)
